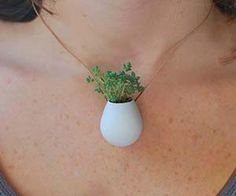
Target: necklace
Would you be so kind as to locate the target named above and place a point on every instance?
(121, 123)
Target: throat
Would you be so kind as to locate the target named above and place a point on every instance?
(113, 32)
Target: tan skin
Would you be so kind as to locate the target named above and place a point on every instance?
(50, 142)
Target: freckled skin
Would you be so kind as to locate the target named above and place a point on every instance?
(50, 143)
(171, 120)
(54, 141)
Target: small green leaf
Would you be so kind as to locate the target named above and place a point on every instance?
(98, 90)
(127, 67)
(88, 79)
(117, 87)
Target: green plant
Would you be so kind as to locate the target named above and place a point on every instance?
(117, 87)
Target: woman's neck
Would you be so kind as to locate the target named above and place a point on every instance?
(111, 32)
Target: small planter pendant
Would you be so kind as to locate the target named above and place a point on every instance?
(121, 123)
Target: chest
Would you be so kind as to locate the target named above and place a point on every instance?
(50, 137)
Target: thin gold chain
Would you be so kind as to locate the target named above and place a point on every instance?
(162, 61)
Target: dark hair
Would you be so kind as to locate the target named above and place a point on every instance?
(23, 11)
(226, 6)
(18, 10)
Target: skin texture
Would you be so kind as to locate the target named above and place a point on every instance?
(50, 142)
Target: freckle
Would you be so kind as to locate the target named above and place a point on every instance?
(182, 120)
(179, 165)
(195, 138)
(9, 81)
(71, 156)
(35, 144)
(7, 128)
(228, 155)
(77, 164)
(11, 167)
(94, 171)
(176, 173)
(35, 100)
(190, 178)
(124, 184)
(214, 130)
(180, 99)
(170, 149)
(127, 166)
(78, 123)
(15, 151)
(67, 116)
(85, 15)
(171, 120)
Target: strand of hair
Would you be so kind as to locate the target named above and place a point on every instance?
(35, 2)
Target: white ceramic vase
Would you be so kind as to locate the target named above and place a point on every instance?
(121, 123)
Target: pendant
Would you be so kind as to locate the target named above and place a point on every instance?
(121, 123)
